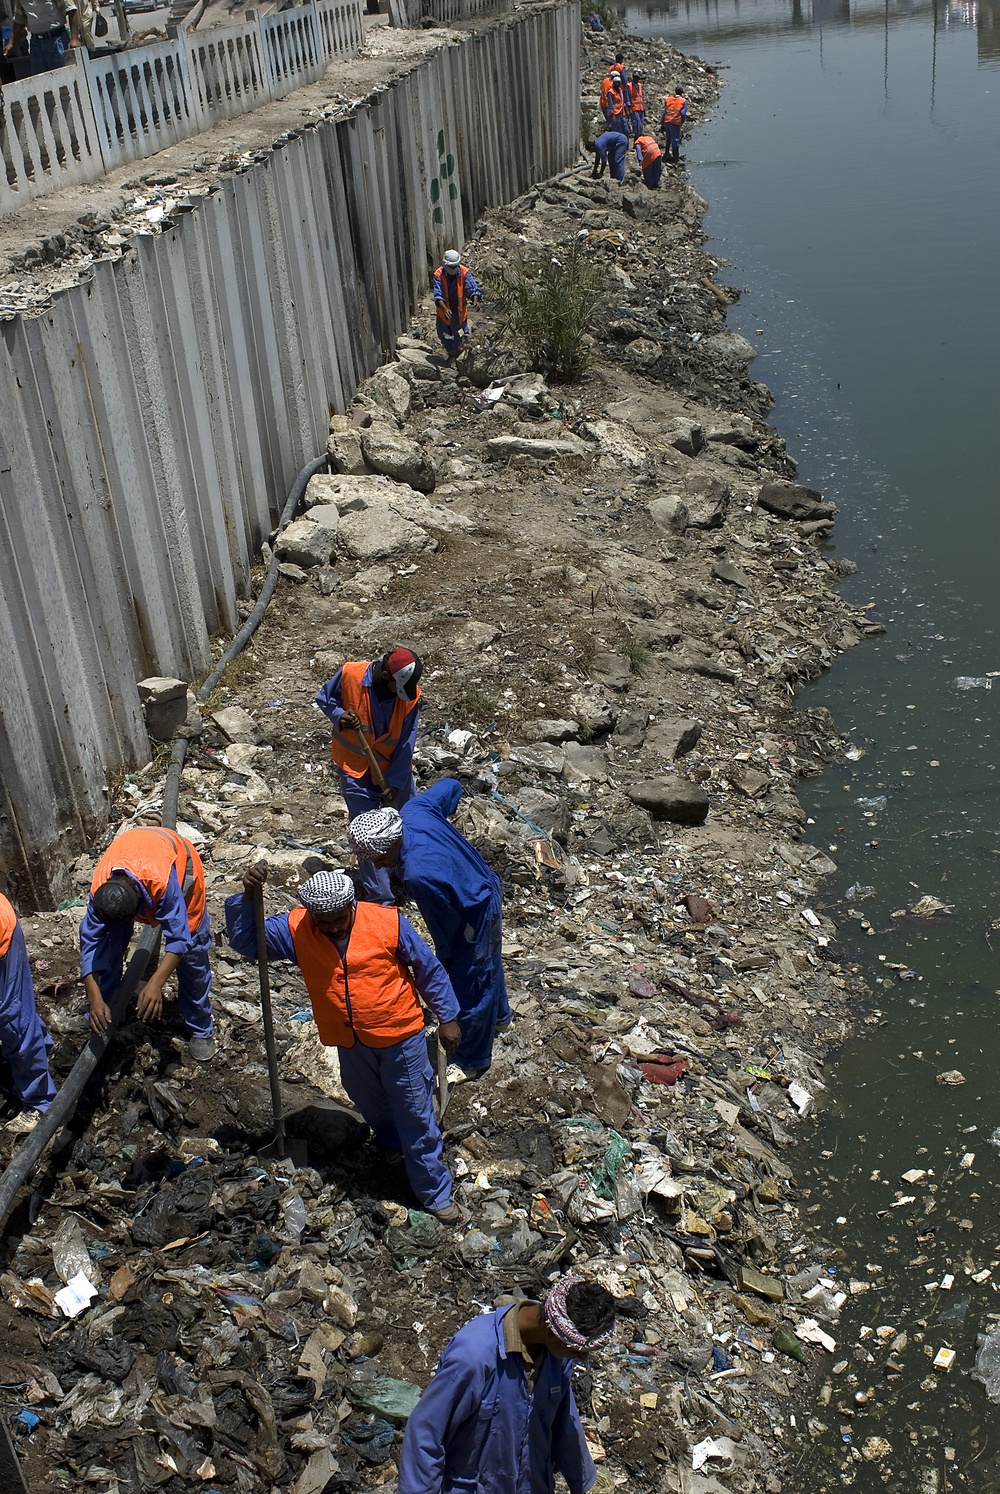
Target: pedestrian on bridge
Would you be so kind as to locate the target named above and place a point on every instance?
(154, 876)
(24, 1037)
(377, 703)
(365, 968)
(455, 290)
(51, 26)
(460, 899)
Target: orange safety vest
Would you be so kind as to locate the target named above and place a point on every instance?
(367, 995)
(443, 308)
(344, 748)
(612, 98)
(636, 97)
(8, 923)
(673, 109)
(150, 854)
(650, 150)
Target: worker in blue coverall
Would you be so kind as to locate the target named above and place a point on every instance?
(379, 702)
(455, 290)
(609, 147)
(364, 966)
(499, 1415)
(24, 1037)
(460, 900)
(675, 108)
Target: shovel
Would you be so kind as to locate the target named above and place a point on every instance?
(296, 1151)
(373, 763)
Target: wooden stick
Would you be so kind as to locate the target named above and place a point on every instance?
(265, 1006)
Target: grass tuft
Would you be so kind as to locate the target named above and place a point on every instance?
(548, 306)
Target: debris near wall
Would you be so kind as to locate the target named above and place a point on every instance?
(616, 589)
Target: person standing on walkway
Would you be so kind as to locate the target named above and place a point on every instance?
(675, 109)
(609, 147)
(52, 28)
(455, 290)
(460, 899)
(650, 158)
(637, 103)
(499, 1415)
(152, 876)
(24, 1037)
(364, 967)
(614, 103)
(379, 701)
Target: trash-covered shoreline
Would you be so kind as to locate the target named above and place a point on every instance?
(616, 588)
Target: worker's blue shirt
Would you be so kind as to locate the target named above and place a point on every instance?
(456, 892)
(170, 913)
(613, 141)
(429, 975)
(481, 1428)
(400, 769)
(446, 291)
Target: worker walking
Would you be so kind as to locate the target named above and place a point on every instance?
(499, 1415)
(674, 114)
(609, 147)
(614, 103)
(364, 967)
(378, 702)
(637, 104)
(460, 900)
(455, 290)
(650, 158)
(152, 876)
(24, 1037)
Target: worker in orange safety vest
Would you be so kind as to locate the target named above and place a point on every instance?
(24, 1037)
(637, 103)
(455, 290)
(675, 108)
(614, 103)
(650, 158)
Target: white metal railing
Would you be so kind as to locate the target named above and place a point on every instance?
(79, 121)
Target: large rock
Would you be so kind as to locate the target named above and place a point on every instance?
(789, 500)
(685, 436)
(694, 657)
(613, 670)
(708, 500)
(550, 731)
(390, 452)
(305, 543)
(415, 363)
(630, 731)
(344, 450)
(548, 811)
(237, 725)
(619, 449)
(567, 449)
(390, 392)
(584, 762)
(669, 512)
(380, 533)
(544, 757)
(673, 737)
(673, 799)
(165, 705)
(355, 495)
(729, 348)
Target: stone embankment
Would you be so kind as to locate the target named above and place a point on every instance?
(616, 588)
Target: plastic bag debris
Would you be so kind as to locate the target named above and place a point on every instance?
(712, 1449)
(75, 1296)
(414, 1242)
(371, 1437)
(972, 682)
(604, 1178)
(392, 1399)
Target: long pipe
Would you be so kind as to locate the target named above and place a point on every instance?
(66, 1100)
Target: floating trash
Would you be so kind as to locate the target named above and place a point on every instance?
(973, 682)
(878, 802)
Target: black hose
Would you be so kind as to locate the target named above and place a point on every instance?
(66, 1100)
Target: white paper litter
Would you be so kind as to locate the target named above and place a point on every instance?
(75, 1296)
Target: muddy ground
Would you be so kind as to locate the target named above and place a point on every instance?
(616, 588)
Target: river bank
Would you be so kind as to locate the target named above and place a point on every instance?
(616, 588)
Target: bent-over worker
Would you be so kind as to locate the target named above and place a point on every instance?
(364, 967)
(499, 1415)
(24, 1037)
(455, 290)
(611, 146)
(152, 876)
(650, 158)
(380, 699)
(460, 900)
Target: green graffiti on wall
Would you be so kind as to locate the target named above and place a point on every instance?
(443, 181)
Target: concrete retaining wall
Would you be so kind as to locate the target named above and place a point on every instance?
(152, 420)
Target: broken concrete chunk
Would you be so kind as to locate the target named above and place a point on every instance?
(693, 656)
(568, 448)
(585, 762)
(749, 1280)
(237, 725)
(305, 543)
(729, 347)
(789, 500)
(344, 451)
(379, 533)
(724, 570)
(685, 436)
(630, 731)
(673, 799)
(550, 731)
(390, 391)
(708, 499)
(669, 512)
(160, 690)
(388, 451)
(673, 737)
(613, 670)
(544, 757)
(168, 707)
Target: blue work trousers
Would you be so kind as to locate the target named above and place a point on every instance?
(452, 339)
(478, 978)
(392, 1089)
(24, 1037)
(360, 796)
(652, 172)
(673, 133)
(47, 52)
(638, 122)
(194, 973)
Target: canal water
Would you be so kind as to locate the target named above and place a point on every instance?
(853, 173)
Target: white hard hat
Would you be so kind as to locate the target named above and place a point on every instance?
(452, 261)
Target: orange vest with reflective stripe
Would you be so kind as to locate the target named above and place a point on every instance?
(443, 308)
(650, 150)
(150, 854)
(8, 923)
(367, 996)
(673, 109)
(636, 96)
(612, 98)
(344, 744)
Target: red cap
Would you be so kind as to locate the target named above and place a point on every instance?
(405, 667)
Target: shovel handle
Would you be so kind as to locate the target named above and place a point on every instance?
(443, 1088)
(373, 762)
(265, 1007)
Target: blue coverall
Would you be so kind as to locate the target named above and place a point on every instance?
(611, 147)
(103, 947)
(362, 794)
(446, 292)
(480, 1427)
(461, 901)
(673, 133)
(390, 1086)
(24, 1037)
(651, 170)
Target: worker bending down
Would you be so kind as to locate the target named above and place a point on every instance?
(650, 158)
(609, 148)
(499, 1415)
(378, 703)
(460, 900)
(455, 290)
(24, 1037)
(152, 876)
(364, 966)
